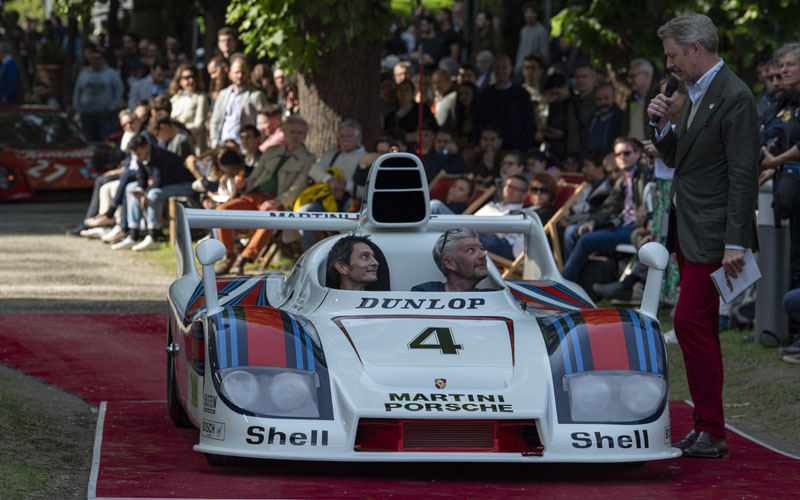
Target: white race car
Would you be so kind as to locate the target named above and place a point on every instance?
(283, 367)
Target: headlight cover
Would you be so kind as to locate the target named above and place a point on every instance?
(614, 396)
(8, 178)
(271, 391)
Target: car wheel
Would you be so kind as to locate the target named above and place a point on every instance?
(176, 410)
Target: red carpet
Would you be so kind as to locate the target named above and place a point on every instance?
(120, 359)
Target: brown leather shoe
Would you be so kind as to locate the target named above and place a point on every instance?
(686, 442)
(224, 266)
(238, 266)
(707, 446)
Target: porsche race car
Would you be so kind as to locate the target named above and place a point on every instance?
(285, 367)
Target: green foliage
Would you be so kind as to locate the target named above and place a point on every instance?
(299, 33)
(26, 8)
(616, 31)
(75, 8)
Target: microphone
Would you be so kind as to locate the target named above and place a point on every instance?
(672, 85)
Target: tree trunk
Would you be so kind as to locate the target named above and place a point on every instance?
(345, 87)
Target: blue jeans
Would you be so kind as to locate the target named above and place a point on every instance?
(439, 207)
(570, 239)
(599, 240)
(156, 198)
(493, 243)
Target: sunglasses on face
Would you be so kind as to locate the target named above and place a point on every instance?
(539, 190)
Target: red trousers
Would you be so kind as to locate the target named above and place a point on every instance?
(697, 329)
(261, 237)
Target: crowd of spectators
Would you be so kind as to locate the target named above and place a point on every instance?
(228, 132)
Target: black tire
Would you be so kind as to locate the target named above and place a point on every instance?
(176, 410)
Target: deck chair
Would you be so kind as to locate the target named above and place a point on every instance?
(566, 196)
(441, 183)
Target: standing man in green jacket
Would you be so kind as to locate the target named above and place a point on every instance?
(714, 149)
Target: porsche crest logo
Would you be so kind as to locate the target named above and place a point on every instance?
(440, 383)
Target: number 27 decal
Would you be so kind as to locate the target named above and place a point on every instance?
(444, 340)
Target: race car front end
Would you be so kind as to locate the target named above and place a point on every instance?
(441, 382)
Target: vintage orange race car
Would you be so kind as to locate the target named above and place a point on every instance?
(43, 154)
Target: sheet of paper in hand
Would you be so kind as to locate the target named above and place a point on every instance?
(729, 287)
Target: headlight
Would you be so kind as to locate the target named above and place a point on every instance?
(8, 178)
(614, 396)
(271, 391)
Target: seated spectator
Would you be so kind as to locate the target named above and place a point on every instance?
(613, 224)
(279, 177)
(506, 245)
(356, 263)
(173, 138)
(345, 159)
(510, 165)
(443, 155)
(250, 138)
(271, 126)
(190, 104)
(161, 174)
(536, 162)
(458, 253)
(227, 171)
(106, 165)
(458, 197)
(543, 191)
(590, 199)
(132, 123)
(156, 83)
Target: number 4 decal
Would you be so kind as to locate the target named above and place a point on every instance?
(444, 338)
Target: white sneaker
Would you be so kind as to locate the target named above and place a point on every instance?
(128, 242)
(112, 233)
(94, 232)
(148, 243)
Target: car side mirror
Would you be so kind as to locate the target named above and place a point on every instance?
(209, 252)
(656, 258)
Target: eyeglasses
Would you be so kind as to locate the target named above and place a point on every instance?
(625, 153)
(539, 190)
(444, 240)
